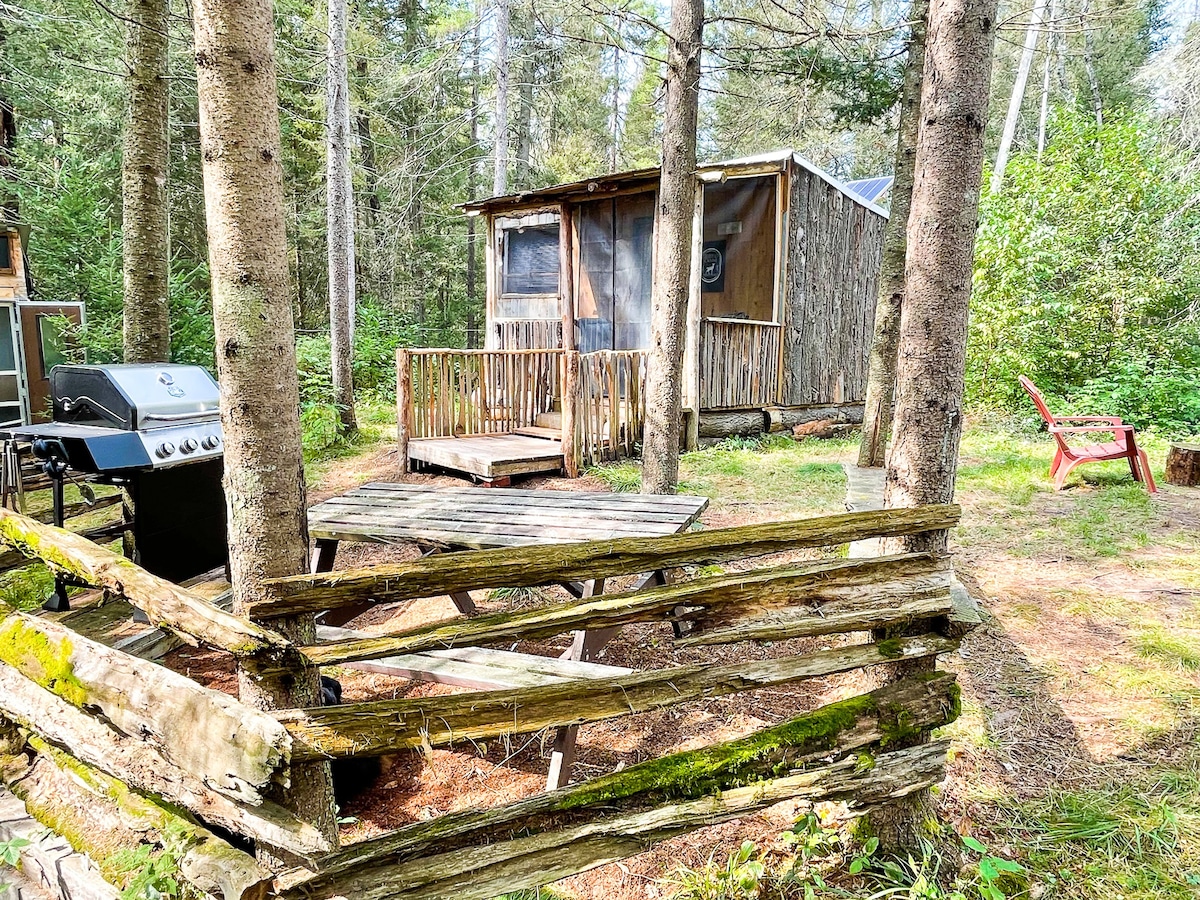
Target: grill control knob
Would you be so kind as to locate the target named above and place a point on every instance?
(188, 445)
(210, 442)
(165, 449)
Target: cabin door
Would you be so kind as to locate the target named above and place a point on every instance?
(44, 340)
(616, 269)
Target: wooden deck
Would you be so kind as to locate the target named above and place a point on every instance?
(491, 457)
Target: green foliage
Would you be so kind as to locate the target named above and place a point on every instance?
(153, 873)
(10, 851)
(624, 477)
(739, 878)
(1087, 264)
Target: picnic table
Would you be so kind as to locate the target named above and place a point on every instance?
(440, 519)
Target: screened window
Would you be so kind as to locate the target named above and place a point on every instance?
(531, 260)
(52, 342)
(6, 254)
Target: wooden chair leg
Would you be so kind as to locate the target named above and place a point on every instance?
(1145, 466)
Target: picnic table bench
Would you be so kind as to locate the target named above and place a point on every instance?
(440, 519)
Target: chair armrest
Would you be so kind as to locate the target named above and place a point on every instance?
(1112, 420)
(1079, 429)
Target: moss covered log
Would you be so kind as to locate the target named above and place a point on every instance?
(831, 732)
(126, 834)
(166, 604)
(235, 750)
(381, 726)
(541, 565)
(499, 865)
(138, 764)
(826, 597)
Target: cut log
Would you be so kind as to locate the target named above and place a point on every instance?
(235, 750)
(1183, 465)
(164, 603)
(141, 766)
(731, 423)
(851, 587)
(102, 817)
(381, 726)
(482, 872)
(540, 565)
(824, 734)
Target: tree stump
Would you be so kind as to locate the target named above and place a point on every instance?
(1183, 465)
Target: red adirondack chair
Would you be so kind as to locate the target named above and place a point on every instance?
(1066, 457)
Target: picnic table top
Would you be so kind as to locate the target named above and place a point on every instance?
(484, 518)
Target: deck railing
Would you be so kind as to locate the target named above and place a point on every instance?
(740, 363)
(457, 393)
(464, 392)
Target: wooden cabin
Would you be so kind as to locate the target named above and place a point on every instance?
(32, 341)
(784, 281)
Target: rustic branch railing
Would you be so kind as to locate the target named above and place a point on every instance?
(459, 393)
(740, 363)
(528, 334)
(78, 715)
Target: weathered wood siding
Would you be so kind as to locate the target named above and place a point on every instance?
(833, 245)
(527, 334)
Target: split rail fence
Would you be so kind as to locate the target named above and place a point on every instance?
(116, 752)
(599, 398)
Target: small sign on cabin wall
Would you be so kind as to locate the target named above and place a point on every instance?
(712, 267)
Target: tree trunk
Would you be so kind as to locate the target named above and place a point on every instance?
(525, 125)
(1018, 92)
(1089, 54)
(371, 215)
(256, 358)
(8, 143)
(881, 377)
(500, 181)
(472, 335)
(673, 256)
(933, 321)
(146, 253)
(339, 216)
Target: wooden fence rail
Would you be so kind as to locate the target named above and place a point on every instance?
(119, 724)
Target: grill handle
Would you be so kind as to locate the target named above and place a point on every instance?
(179, 417)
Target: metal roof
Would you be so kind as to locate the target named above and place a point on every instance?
(618, 181)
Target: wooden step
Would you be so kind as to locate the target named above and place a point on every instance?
(549, 420)
(537, 431)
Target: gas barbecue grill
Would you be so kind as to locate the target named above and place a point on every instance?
(154, 430)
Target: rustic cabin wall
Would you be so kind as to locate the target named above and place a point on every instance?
(833, 246)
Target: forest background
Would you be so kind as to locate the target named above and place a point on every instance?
(1088, 259)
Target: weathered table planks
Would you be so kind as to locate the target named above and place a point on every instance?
(440, 518)
(484, 518)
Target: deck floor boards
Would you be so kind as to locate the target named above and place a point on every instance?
(489, 455)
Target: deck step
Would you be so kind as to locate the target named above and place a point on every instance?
(537, 431)
(549, 420)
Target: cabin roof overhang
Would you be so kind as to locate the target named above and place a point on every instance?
(647, 179)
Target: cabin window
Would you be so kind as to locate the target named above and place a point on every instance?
(616, 271)
(52, 341)
(739, 266)
(529, 273)
(6, 254)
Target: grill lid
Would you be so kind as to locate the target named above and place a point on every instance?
(133, 397)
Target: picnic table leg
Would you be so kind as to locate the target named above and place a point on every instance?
(324, 552)
(323, 555)
(585, 645)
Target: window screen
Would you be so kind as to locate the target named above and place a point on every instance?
(616, 246)
(531, 260)
(6, 261)
(52, 341)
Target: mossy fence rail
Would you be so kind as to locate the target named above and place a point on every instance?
(127, 759)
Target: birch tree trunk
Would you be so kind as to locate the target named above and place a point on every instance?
(1018, 92)
(339, 216)
(673, 251)
(145, 227)
(1089, 66)
(933, 320)
(256, 358)
(9, 207)
(500, 181)
(881, 372)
